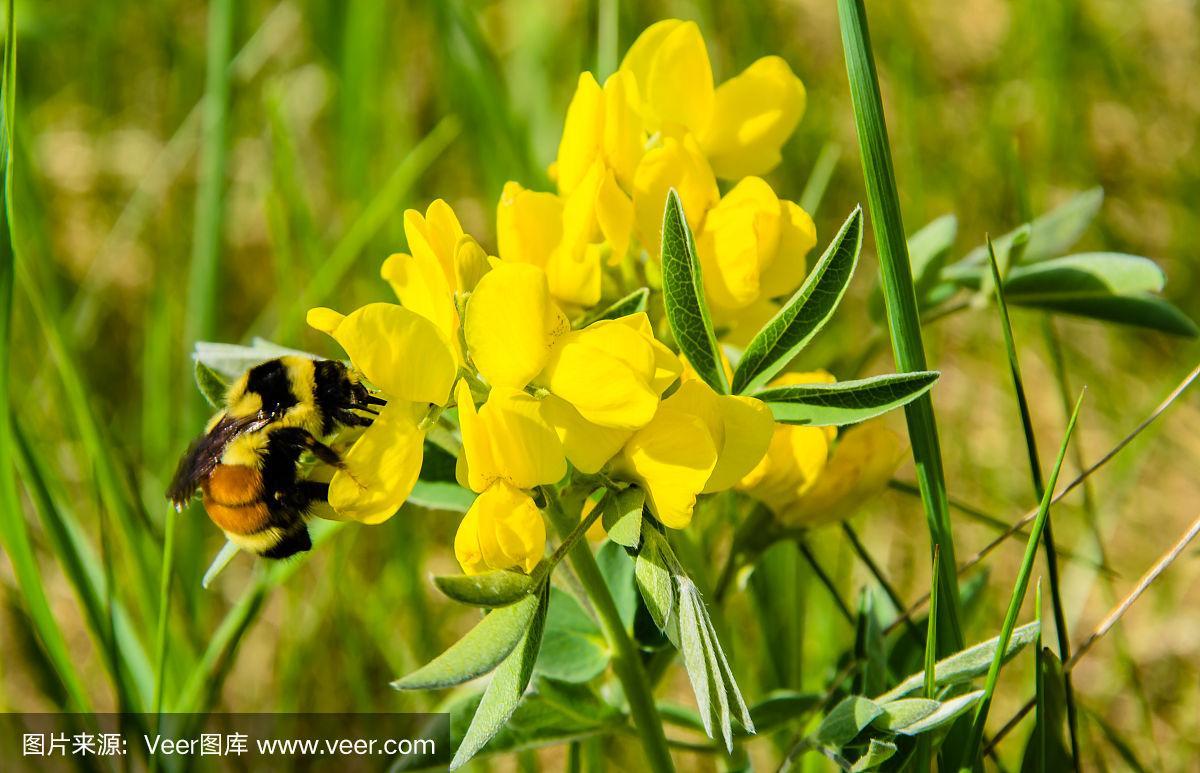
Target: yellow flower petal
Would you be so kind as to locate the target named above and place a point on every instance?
(587, 445)
(678, 165)
(529, 225)
(640, 56)
(797, 236)
(672, 457)
(753, 115)
(508, 439)
(624, 140)
(793, 462)
(421, 287)
(384, 340)
(503, 529)
(860, 467)
(614, 213)
(740, 237)
(667, 365)
(575, 276)
(381, 467)
(511, 323)
(470, 264)
(435, 235)
(748, 428)
(582, 133)
(670, 66)
(605, 372)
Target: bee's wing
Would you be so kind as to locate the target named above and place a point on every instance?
(204, 455)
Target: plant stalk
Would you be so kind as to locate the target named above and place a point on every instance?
(901, 302)
(625, 662)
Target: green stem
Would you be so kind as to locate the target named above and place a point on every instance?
(901, 300)
(625, 662)
(164, 609)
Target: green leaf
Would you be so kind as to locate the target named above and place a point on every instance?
(617, 568)
(878, 752)
(630, 304)
(869, 646)
(693, 645)
(1085, 274)
(1057, 754)
(1052, 234)
(498, 588)
(573, 648)
(964, 666)
(441, 495)
(683, 297)
(1145, 311)
(483, 648)
(211, 385)
(845, 402)
(846, 720)
(232, 360)
(903, 712)
(946, 713)
(928, 249)
(655, 583)
(803, 316)
(508, 684)
(623, 517)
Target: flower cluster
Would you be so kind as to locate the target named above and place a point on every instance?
(484, 344)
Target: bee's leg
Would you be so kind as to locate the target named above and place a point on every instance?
(323, 452)
(352, 419)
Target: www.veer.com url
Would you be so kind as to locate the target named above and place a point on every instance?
(290, 747)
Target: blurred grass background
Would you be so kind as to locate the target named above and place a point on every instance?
(134, 239)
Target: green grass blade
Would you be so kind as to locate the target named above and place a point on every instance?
(1039, 489)
(819, 177)
(972, 750)
(901, 302)
(210, 195)
(13, 530)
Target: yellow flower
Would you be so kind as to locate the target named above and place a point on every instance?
(806, 479)
(511, 323)
(383, 340)
(503, 529)
(507, 447)
(740, 125)
(753, 246)
(677, 164)
(531, 228)
(425, 281)
(699, 442)
(507, 440)
(602, 125)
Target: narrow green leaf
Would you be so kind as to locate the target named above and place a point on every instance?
(483, 648)
(630, 304)
(503, 694)
(846, 720)
(878, 752)
(971, 752)
(845, 402)
(219, 562)
(927, 251)
(1052, 234)
(945, 713)
(623, 517)
(1145, 311)
(683, 297)
(964, 666)
(695, 662)
(211, 385)
(803, 316)
(498, 588)
(1047, 749)
(573, 648)
(441, 495)
(616, 566)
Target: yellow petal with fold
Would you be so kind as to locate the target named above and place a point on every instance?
(624, 139)
(583, 133)
(740, 237)
(797, 236)
(421, 287)
(381, 467)
(588, 446)
(529, 225)
(605, 372)
(402, 353)
(511, 323)
(672, 458)
(667, 365)
(748, 426)
(754, 113)
(503, 529)
(678, 165)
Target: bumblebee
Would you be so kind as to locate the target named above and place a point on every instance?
(247, 463)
